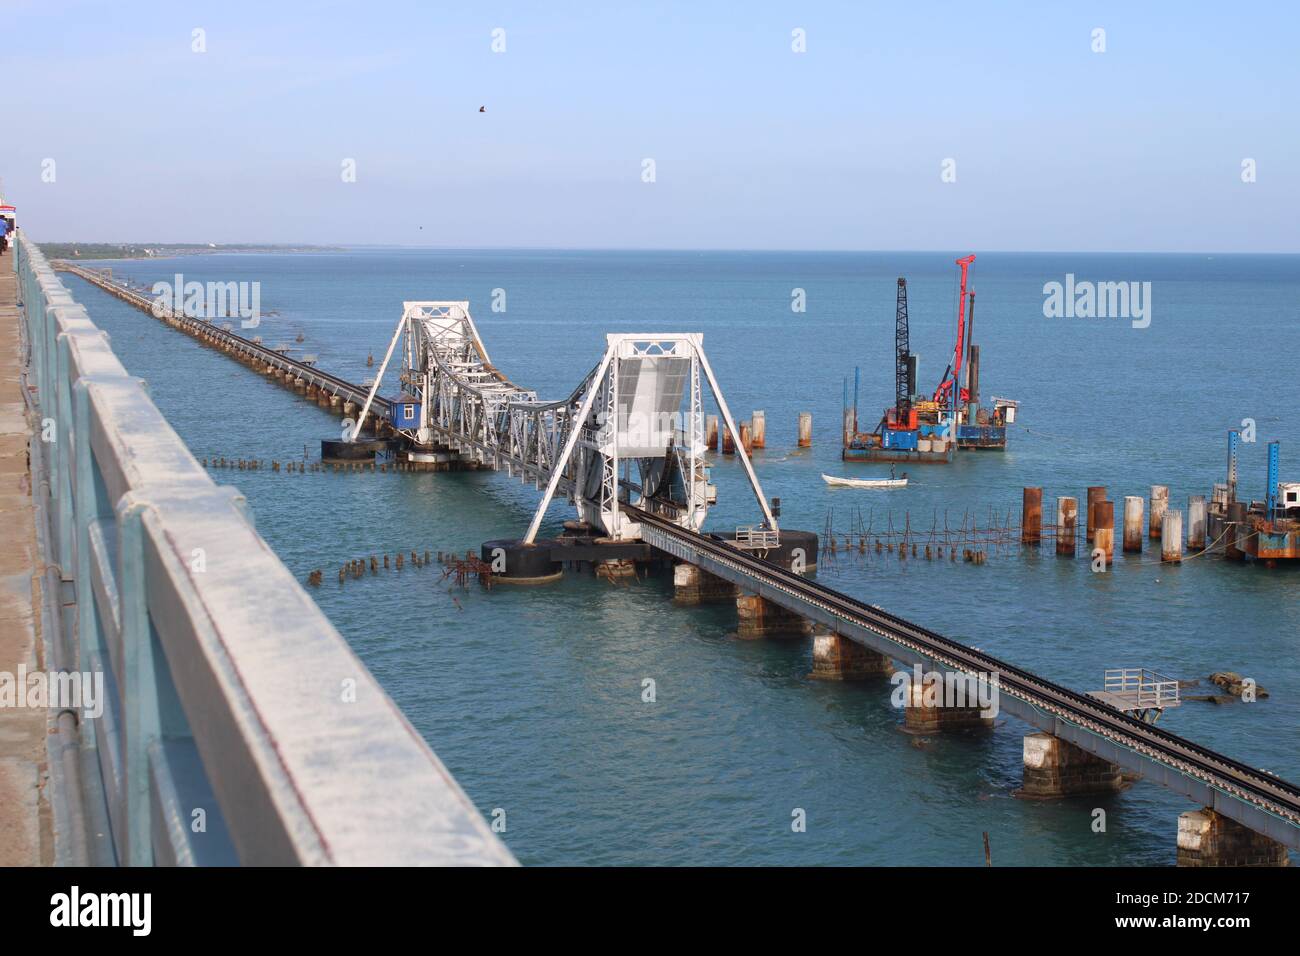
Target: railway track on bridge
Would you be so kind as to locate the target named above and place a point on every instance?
(1266, 791)
(209, 331)
(1042, 702)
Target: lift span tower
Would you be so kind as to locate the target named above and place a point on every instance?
(630, 434)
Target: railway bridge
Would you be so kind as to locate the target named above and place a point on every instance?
(626, 448)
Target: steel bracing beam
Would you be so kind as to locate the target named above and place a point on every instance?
(606, 445)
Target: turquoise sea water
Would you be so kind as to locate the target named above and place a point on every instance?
(533, 696)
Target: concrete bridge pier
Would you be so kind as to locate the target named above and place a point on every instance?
(927, 712)
(692, 585)
(760, 617)
(836, 657)
(1057, 768)
(1208, 838)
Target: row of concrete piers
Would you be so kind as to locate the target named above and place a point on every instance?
(835, 657)
(438, 458)
(1053, 768)
(287, 377)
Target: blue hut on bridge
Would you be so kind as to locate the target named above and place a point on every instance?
(406, 412)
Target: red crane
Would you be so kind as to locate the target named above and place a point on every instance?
(947, 383)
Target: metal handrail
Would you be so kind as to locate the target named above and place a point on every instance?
(757, 536)
(1148, 688)
(239, 726)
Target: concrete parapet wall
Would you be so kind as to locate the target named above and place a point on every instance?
(225, 681)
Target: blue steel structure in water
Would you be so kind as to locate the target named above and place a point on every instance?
(1268, 530)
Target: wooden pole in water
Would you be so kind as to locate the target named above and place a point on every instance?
(1171, 537)
(1133, 523)
(1067, 517)
(1104, 534)
(1096, 493)
(711, 432)
(746, 437)
(758, 429)
(1031, 517)
(805, 429)
(1196, 523)
(1159, 504)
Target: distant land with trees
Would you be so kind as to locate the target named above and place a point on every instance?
(160, 250)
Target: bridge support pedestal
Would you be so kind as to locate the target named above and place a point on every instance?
(759, 617)
(1207, 838)
(1057, 768)
(926, 713)
(691, 585)
(836, 657)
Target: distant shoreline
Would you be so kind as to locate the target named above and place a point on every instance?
(90, 251)
(111, 250)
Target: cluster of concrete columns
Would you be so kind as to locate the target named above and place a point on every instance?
(1164, 525)
(753, 433)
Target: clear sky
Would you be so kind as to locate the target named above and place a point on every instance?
(1057, 147)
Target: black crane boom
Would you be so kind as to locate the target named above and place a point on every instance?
(902, 387)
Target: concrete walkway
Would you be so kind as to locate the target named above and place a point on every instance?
(24, 814)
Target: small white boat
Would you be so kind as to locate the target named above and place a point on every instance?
(864, 482)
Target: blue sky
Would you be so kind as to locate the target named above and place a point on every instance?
(1056, 147)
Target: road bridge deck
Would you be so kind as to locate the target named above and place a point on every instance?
(24, 829)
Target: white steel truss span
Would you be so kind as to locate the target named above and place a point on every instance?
(632, 432)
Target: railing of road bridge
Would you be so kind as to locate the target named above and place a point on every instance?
(238, 726)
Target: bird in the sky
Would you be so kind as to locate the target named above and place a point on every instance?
(482, 109)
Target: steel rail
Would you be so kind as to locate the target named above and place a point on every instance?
(1231, 776)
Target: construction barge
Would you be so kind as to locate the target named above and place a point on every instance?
(931, 428)
(1268, 530)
